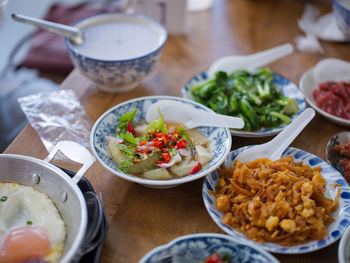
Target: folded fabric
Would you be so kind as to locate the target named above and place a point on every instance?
(48, 52)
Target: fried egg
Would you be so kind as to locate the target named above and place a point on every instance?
(30, 225)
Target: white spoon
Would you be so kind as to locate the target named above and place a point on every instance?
(274, 148)
(249, 62)
(177, 112)
(73, 33)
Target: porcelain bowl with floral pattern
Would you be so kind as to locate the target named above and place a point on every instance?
(334, 181)
(136, 46)
(106, 125)
(196, 248)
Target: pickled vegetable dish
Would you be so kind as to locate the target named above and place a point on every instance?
(158, 150)
(275, 201)
(250, 96)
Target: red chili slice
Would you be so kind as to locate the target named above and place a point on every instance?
(215, 258)
(131, 128)
(197, 168)
(166, 156)
(181, 144)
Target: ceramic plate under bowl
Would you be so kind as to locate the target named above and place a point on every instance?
(197, 247)
(106, 125)
(287, 88)
(307, 86)
(332, 176)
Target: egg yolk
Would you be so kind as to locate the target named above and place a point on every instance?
(23, 243)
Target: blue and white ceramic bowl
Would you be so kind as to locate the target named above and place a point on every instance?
(332, 176)
(118, 75)
(106, 125)
(197, 247)
(287, 88)
(342, 14)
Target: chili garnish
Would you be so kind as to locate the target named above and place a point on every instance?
(181, 144)
(214, 258)
(166, 156)
(131, 128)
(197, 168)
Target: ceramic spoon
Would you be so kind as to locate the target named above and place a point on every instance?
(249, 62)
(73, 33)
(178, 112)
(274, 148)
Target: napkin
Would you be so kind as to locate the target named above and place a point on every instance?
(48, 51)
(324, 28)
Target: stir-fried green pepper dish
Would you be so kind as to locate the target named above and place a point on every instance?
(250, 96)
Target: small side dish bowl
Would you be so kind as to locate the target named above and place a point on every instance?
(333, 181)
(286, 87)
(119, 49)
(344, 247)
(197, 248)
(308, 84)
(342, 14)
(106, 125)
(332, 156)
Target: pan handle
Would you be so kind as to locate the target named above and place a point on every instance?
(75, 152)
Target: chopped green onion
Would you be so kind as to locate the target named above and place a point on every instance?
(29, 222)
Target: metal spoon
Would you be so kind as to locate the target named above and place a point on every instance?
(177, 112)
(249, 62)
(73, 33)
(274, 148)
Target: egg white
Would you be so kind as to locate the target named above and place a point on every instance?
(26, 206)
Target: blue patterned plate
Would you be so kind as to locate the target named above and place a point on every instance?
(197, 247)
(288, 89)
(332, 176)
(106, 125)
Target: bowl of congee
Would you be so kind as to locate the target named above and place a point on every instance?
(118, 50)
(157, 153)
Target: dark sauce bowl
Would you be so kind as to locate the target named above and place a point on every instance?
(332, 156)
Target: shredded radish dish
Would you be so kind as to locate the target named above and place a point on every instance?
(158, 150)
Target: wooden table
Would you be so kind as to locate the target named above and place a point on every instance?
(142, 218)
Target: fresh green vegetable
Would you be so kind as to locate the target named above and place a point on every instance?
(157, 125)
(128, 137)
(128, 117)
(250, 96)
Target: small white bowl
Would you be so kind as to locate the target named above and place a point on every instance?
(118, 72)
(106, 125)
(308, 84)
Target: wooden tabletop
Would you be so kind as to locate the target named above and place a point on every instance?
(142, 218)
